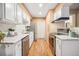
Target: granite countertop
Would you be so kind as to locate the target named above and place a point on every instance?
(63, 36)
(66, 37)
(14, 39)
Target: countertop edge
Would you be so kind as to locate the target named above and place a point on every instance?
(13, 42)
(67, 38)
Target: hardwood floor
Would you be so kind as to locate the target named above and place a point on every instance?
(40, 47)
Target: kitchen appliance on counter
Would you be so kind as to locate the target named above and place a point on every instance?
(11, 32)
(74, 32)
(62, 31)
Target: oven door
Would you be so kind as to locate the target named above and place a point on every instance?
(52, 41)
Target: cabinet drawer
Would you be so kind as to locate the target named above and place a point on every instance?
(58, 43)
(58, 47)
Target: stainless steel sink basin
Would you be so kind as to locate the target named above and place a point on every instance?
(75, 36)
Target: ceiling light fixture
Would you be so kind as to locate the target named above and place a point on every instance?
(40, 5)
(40, 13)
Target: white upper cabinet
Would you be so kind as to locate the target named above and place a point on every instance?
(25, 21)
(62, 12)
(13, 13)
(24, 18)
(10, 11)
(19, 15)
(1, 10)
(57, 14)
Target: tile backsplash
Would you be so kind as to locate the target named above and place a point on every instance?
(20, 29)
(5, 27)
(6, 24)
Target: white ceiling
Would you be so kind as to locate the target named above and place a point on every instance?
(37, 11)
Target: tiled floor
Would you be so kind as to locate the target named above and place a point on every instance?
(40, 47)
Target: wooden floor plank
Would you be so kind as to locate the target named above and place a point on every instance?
(40, 47)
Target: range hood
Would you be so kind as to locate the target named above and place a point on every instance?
(61, 19)
(62, 14)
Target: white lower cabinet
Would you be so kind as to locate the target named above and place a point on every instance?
(6, 49)
(14, 49)
(11, 49)
(68, 47)
(2, 50)
(18, 49)
(58, 47)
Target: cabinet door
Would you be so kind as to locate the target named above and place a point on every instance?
(19, 15)
(9, 49)
(51, 41)
(10, 9)
(2, 50)
(1, 10)
(25, 22)
(58, 47)
(18, 49)
(57, 14)
(25, 46)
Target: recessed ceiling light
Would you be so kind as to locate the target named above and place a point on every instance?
(40, 13)
(40, 5)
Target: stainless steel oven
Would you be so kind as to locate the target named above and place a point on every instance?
(52, 41)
